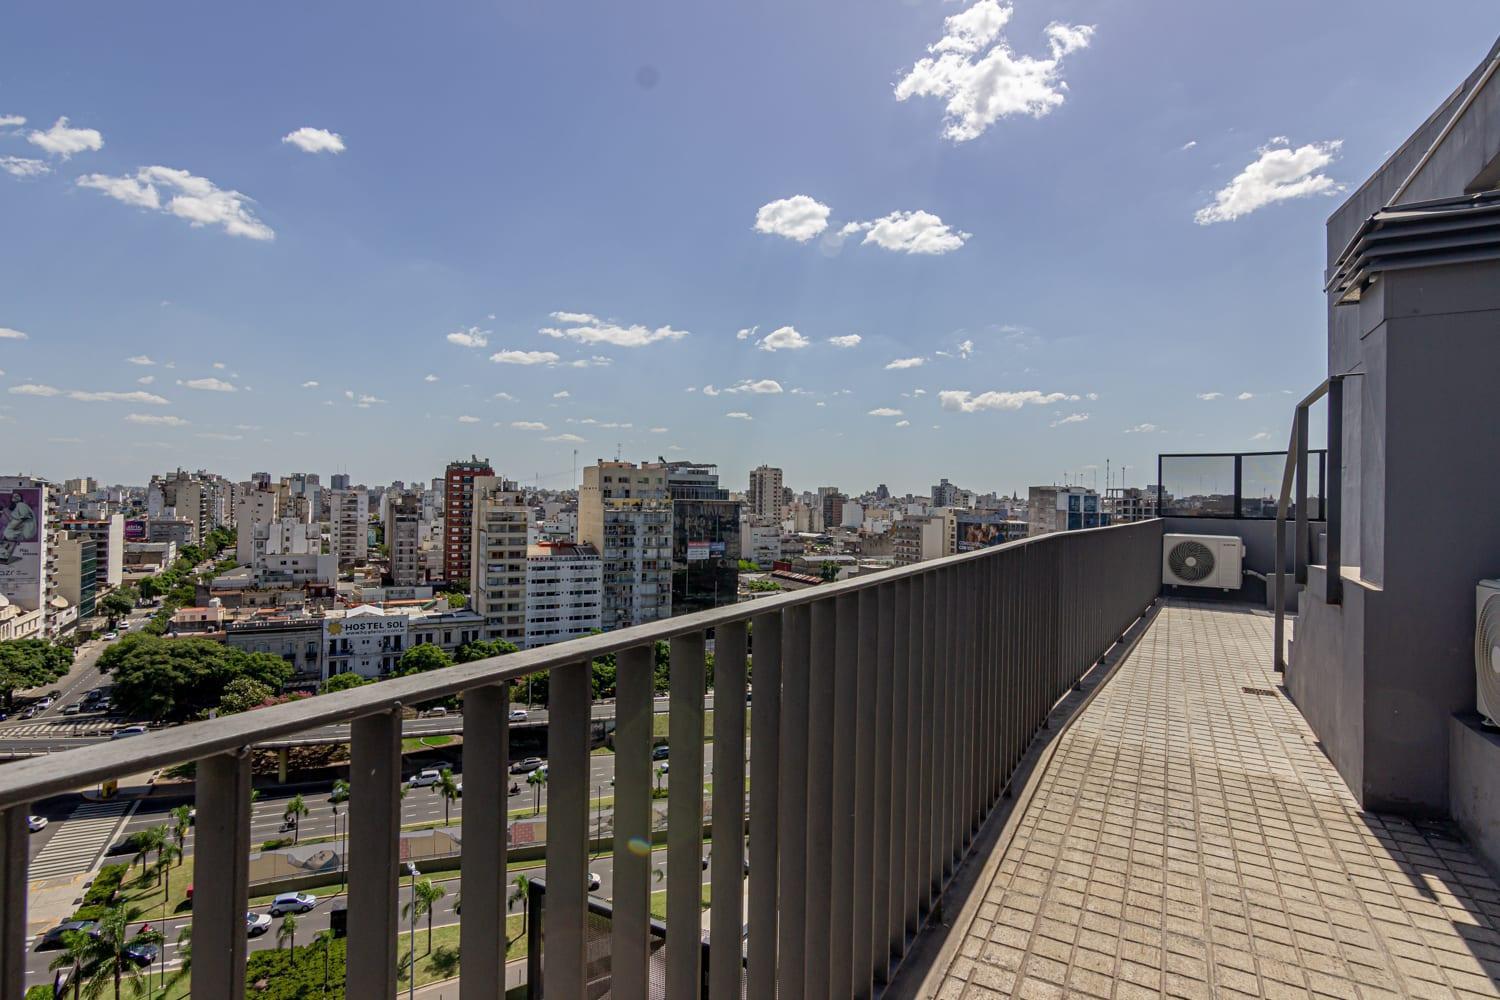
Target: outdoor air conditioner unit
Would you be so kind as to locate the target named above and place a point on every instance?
(1487, 649)
(1202, 561)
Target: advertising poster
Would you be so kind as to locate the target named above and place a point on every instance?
(21, 538)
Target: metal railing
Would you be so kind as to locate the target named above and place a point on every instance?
(890, 711)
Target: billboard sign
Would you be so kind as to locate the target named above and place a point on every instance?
(979, 531)
(21, 538)
(135, 530)
(698, 551)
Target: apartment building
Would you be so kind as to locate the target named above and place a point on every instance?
(349, 526)
(28, 538)
(1063, 508)
(254, 507)
(625, 511)
(403, 539)
(917, 539)
(564, 592)
(77, 573)
(458, 515)
(765, 497)
(108, 534)
(289, 553)
(501, 523)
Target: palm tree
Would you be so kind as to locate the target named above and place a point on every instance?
(152, 838)
(287, 931)
(536, 779)
(100, 957)
(296, 808)
(449, 789)
(521, 893)
(661, 772)
(425, 895)
(182, 821)
(324, 939)
(163, 866)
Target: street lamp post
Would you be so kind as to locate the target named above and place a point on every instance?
(411, 911)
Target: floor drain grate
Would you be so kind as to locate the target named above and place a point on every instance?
(1264, 692)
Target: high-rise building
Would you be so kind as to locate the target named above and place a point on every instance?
(27, 537)
(403, 539)
(945, 494)
(497, 585)
(82, 486)
(625, 512)
(705, 538)
(766, 497)
(254, 507)
(77, 571)
(349, 526)
(831, 507)
(339, 481)
(564, 592)
(108, 534)
(289, 553)
(458, 516)
(1062, 508)
(917, 539)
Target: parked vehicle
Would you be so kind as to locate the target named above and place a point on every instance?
(659, 752)
(293, 902)
(436, 713)
(594, 882)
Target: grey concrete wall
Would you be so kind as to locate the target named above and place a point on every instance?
(1473, 792)
(1325, 677)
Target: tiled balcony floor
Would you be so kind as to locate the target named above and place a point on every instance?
(1190, 840)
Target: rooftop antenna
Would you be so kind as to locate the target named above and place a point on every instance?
(575, 468)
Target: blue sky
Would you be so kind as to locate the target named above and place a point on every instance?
(1081, 216)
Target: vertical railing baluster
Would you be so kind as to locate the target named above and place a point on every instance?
(902, 766)
(221, 842)
(630, 927)
(486, 758)
(374, 851)
(926, 813)
(685, 820)
(565, 960)
(765, 757)
(728, 856)
(845, 737)
(15, 856)
(867, 876)
(943, 829)
(796, 642)
(820, 749)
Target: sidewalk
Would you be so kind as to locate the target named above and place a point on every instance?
(515, 975)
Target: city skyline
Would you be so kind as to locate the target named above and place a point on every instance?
(353, 268)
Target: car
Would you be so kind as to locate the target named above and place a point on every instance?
(73, 709)
(128, 731)
(666, 767)
(102, 705)
(110, 636)
(124, 626)
(125, 845)
(142, 954)
(30, 712)
(44, 703)
(53, 939)
(659, 752)
(526, 765)
(256, 924)
(36, 823)
(293, 902)
(426, 779)
(519, 715)
(436, 713)
(594, 882)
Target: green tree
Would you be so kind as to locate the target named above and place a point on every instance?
(482, 649)
(456, 600)
(101, 958)
(153, 838)
(421, 658)
(537, 780)
(242, 694)
(150, 588)
(343, 682)
(182, 821)
(287, 931)
(114, 606)
(30, 663)
(661, 772)
(425, 895)
(448, 788)
(296, 808)
(177, 679)
(520, 892)
(164, 858)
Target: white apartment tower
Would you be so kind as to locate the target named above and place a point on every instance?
(624, 511)
(403, 538)
(766, 498)
(564, 592)
(254, 507)
(497, 562)
(349, 526)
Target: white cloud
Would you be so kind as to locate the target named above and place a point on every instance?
(8, 121)
(561, 394)
(34, 389)
(919, 392)
(785, 338)
(760, 387)
(596, 361)
(966, 402)
(587, 328)
(903, 423)
(310, 384)
(466, 419)
(1210, 395)
(195, 199)
(797, 218)
(366, 400)
(62, 140)
(1142, 429)
(965, 349)
(117, 397)
(1072, 418)
(1277, 174)
(528, 425)
(472, 337)
(159, 420)
(565, 439)
(140, 359)
(1245, 395)
(1261, 436)
(145, 380)
(980, 87)
(20, 166)
(217, 436)
(524, 358)
(6, 333)
(658, 430)
(507, 397)
(900, 363)
(738, 415)
(709, 390)
(847, 340)
(315, 140)
(208, 385)
(746, 333)
(429, 378)
(910, 232)
(885, 411)
(1187, 145)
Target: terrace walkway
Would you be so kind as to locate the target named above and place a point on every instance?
(1189, 839)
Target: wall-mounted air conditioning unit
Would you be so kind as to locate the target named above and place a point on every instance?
(1202, 561)
(1487, 649)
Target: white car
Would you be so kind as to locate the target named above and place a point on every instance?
(519, 715)
(293, 902)
(426, 778)
(256, 924)
(110, 636)
(594, 882)
(36, 823)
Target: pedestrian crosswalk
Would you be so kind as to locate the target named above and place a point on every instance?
(60, 729)
(78, 840)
